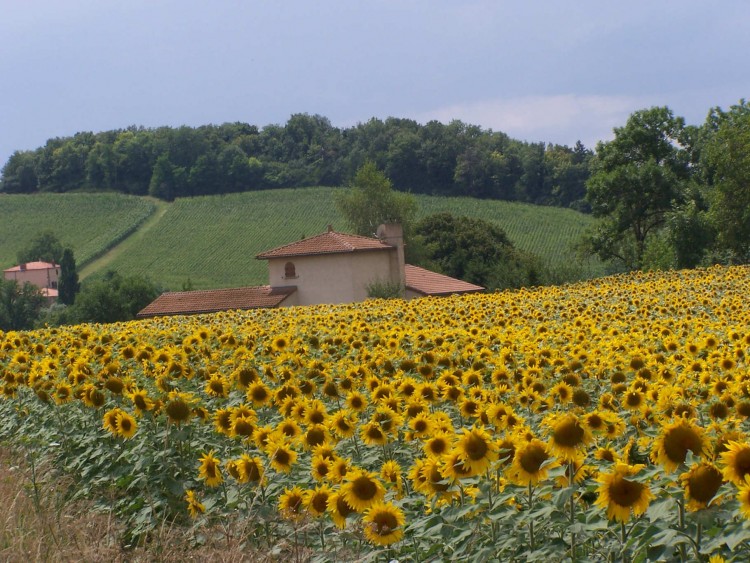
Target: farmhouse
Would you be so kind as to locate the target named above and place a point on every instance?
(43, 275)
(331, 267)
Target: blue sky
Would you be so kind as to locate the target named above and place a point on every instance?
(539, 71)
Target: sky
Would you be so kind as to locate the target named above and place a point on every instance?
(537, 70)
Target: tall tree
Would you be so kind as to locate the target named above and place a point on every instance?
(726, 157)
(19, 305)
(637, 178)
(371, 201)
(45, 247)
(67, 283)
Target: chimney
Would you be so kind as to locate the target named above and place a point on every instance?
(393, 235)
(330, 228)
(22, 267)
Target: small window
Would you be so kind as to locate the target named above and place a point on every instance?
(53, 285)
(289, 270)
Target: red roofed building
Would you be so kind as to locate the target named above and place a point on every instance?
(43, 275)
(331, 267)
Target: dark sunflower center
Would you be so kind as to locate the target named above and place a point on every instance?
(679, 440)
(742, 463)
(704, 483)
(532, 458)
(385, 522)
(315, 437)
(625, 493)
(320, 502)
(243, 428)
(364, 488)
(281, 456)
(178, 410)
(476, 447)
(569, 434)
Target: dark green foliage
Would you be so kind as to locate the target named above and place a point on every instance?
(371, 201)
(67, 283)
(44, 247)
(109, 299)
(726, 158)
(19, 305)
(475, 251)
(455, 159)
(637, 179)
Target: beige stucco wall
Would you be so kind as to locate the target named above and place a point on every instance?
(335, 278)
(39, 278)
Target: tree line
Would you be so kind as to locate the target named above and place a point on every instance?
(456, 159)
(672, 195)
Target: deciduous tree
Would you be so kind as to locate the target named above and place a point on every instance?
(637, 178)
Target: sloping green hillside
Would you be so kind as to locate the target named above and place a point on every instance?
(89, 223)
(213, 240)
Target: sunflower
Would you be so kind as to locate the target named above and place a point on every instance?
(356, 401)
(195, 507)
(141, 400)
(261, 436)
(258, 393)
(210, 470)
(125, 425)
(320, 467)
(343, 423)
(430, 479)
(362, 489)
(453, 466)
(438, 445)
(109, 420)
(250, 469)
(339, 469)
(568, 436)
(390, 472)
(622, 496)
(476, 450)
(736, 460)
(339, 509)
(178, 407)
(242, 427)
(674, 442)
(383, 523)
(372, 434)
(291, 503)
(421, 425)
(315, 436)
(316, 500)
(282, 456)
(223, 421)
(743, 496)
(701, 483)
(531, 462)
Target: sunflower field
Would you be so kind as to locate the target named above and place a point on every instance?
(601, 421)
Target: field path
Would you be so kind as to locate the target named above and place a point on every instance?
(106, 259)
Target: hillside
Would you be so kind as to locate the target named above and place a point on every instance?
(89, 223)
(213, 240)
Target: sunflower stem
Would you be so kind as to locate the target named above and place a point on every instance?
(681, 516)
(571, 482)
(531, 522)
(623, 539)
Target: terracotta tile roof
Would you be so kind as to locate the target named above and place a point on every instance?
(330, 242)
(431, 283)
(32, 266)
(49, 292)
(213, 300)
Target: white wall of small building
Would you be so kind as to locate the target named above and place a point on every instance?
(334, 278)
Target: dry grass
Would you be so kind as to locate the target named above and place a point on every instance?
(37, 523)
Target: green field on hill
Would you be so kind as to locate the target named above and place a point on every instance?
(88, 223)
(212, 241)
